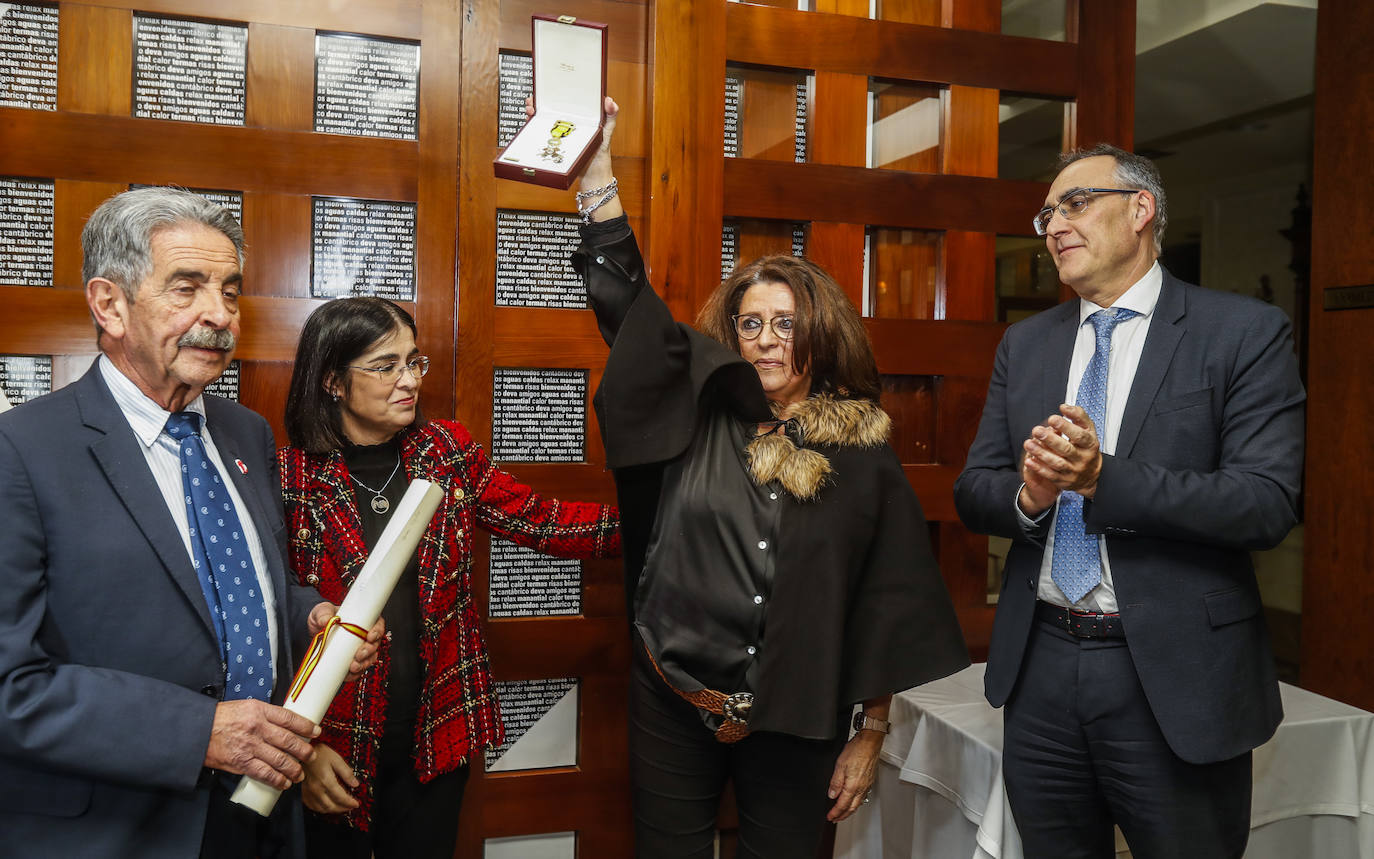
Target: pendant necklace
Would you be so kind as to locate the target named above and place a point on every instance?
(379, 503)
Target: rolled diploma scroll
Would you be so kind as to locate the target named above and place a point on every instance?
(363, 605)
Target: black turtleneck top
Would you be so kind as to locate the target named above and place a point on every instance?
(378, 468)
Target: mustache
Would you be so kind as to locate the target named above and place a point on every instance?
(209, 338)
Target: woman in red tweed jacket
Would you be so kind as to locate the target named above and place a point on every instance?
(391, 761)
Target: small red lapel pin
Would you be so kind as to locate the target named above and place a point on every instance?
(241, 466)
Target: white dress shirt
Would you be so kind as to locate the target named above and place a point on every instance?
(148, 421)
(1128, 342)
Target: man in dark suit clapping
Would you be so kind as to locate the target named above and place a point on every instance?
(1136, 444)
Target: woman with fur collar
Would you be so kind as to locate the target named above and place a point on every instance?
(777, 560)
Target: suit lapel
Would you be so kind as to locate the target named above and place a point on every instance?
(1161, 341)
(126, 467)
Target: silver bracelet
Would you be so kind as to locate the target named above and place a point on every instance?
(610, 192)
(595, 192)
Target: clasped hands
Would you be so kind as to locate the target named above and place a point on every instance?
(1062, 454)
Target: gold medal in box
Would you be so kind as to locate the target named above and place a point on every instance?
(569, 90)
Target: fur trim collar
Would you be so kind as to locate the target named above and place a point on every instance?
(818, 420)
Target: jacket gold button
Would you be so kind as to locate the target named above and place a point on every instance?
(312, 579)
(303, 534)
(459, 494)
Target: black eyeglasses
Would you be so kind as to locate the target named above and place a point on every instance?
(749, 327)
(1073, 205)
(391, 373)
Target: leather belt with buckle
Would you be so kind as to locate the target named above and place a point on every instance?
(1081, 624)
(733, 707)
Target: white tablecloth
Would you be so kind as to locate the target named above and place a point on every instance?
(940, 793)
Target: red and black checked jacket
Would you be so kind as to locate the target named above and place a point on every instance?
(458, 714)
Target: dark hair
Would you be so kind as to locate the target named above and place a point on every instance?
(829, 340)
(334, 336)
(1133, 171)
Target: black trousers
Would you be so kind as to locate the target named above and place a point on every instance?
(1082, 751)
(410, 820)
(678, 770)
(235, 832)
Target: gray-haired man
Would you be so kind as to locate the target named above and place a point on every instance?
(138, 652)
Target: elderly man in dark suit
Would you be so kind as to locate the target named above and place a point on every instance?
(145, 617)
(1136, 444)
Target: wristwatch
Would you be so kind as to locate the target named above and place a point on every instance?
(865, 722)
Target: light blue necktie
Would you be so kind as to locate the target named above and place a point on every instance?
(1077, 566)
(228, 578)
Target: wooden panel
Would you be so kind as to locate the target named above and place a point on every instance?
(627, 84)
(106, 149)
(477, 230)
(772, 37)
(765, 189)
(839, 249)
(838, 120)
(542, 337)
(94, 60)
(686, 159)
(934, 485)
(943, 348)
(840, 7)
(559, 646)
(963, 558)
(437, 208)
(960, 401)
(904, 278)
(982, 15)
(41, 321)
(1338, 542)
(281, 77)
(396, 18)
(969, 270)
(277, 231)
(265, 384)
(1105, 110)
(629, 172)
(970, 131)
(767, 113)
(625, 19)
(910, 401)
(73, 203)
(762, 238)
(925, 12)
(907, 127)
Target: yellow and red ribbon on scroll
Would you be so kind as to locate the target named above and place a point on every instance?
(312, 656)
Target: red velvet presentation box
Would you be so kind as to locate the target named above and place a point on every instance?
(569, 93)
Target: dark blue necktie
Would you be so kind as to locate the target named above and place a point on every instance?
(228, 578)
(1077, 565)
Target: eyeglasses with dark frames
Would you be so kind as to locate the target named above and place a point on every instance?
(1072, 205)
(391, 373)
(749, 326)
